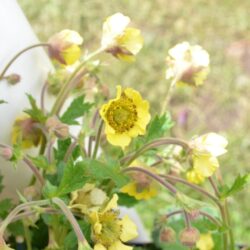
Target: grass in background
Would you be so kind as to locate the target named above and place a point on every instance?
(221, 27)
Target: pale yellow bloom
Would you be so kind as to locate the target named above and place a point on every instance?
(64, 46)
(119, 40)
(205, 242)
(142, 187)
(25, 131)
(88, 198)
(125, 117)
(189, 64)
(108, 230)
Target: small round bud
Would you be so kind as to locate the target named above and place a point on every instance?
(167, 235)
(13, 79)
(189, 237)
(60, 129)
(6, 153)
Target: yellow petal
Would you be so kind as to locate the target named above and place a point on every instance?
(119, 246)
(112, 204)
(194, 177)
(129, 229)
(205, 165)
(99, 247)
(121, 140)
(205, 242)
(71, 54)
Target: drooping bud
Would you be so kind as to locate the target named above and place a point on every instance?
(6, 153)
(167, 235)
(13, 79)
(60, 129)
(189, 236)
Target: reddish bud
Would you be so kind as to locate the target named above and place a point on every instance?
(13, 79)
(189, 237)
(6, 153)
(167, 235)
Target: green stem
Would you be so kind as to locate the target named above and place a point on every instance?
(97, 140)
(231, 236)
(68, 85)
(27, 237)
(156, 143)
(19, 54)
(167, 185)
(72, 220)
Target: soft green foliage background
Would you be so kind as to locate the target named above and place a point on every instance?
(222, 105)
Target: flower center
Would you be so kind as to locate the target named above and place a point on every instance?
(122, 114)
(111, 228)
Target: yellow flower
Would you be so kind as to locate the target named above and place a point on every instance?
(88, 198)
(122, 42)
(24, 130)
(205, 242)
(194, 177)
(108, 230)
(64, 46)
(142, 187)
(210, 143)
(189, 64)
(125, 117)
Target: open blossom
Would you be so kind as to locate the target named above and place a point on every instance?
(121, 41)
(205, 242)
(125, 117)
(189, 64)
(64, 46)
(109, 232)
(205, 150)
(142, 186)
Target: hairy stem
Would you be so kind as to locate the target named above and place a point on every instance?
(97, 139)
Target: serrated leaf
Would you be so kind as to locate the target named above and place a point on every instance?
(101, 171)
(159, 126)
(77, 109)
(17, 154)
(62, 147)
(5, 206)
(239, 184)
(40, 161)
(49, 190)
(73, 178)
(35, 113)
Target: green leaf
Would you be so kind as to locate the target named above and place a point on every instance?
(159, 126)
(40, 161)
(49, 190)
(62, 147)
(239, 184)
(17, 154)
(100, 171)
(72, 179)
(77, 109)
(127, 200)
(5, 206)
(190, 204)
(35, 113)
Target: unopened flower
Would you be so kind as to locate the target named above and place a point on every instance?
(13, 79)
(55, 126)
(88, 198)
(142, 186)
(167, 235)
(24, 130)
(125, 117)
(205, 242)
(109, 232)
(119, 40)
(6, 153)
(64, 46)
(188, 64)
(189, 237)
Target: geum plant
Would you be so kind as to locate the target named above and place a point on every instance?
(119, 156)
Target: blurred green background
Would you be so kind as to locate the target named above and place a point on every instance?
(222, 27)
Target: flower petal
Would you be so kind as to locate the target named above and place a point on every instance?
(129, 229)
(121, 140)
(119, 246)
(99, 247)
(112, 204)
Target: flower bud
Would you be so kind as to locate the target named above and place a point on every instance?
(64, 47)
(167, 235)
(13, 79)
(189, 237)
(60, 129)
(6, 153)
